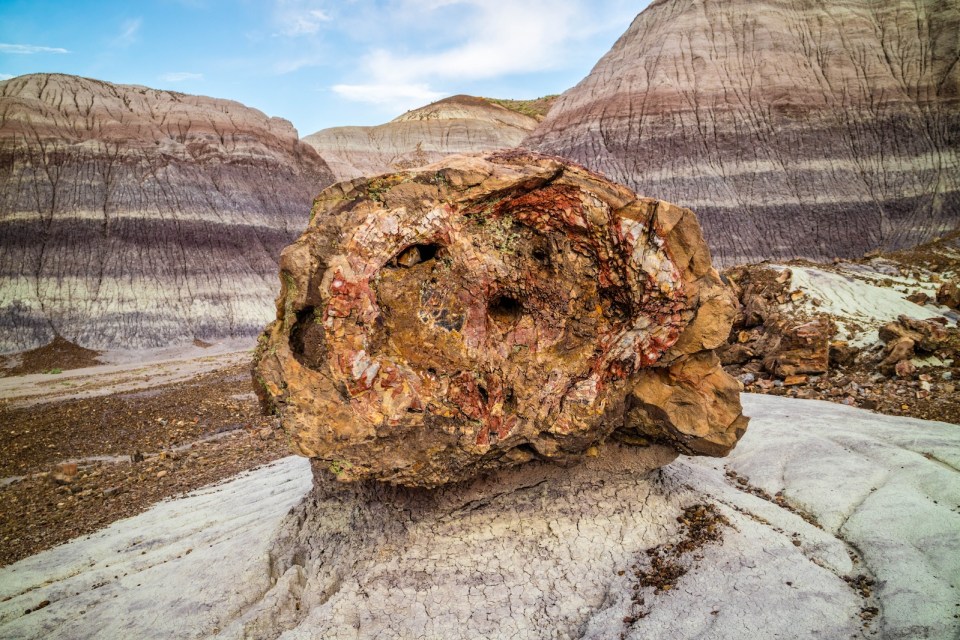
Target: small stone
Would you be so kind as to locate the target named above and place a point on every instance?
(161, 474)
(61, 478)
(791, 381)
(747, 378)
(68, 468)
(919, 298)
(905, 369)
(925, 386)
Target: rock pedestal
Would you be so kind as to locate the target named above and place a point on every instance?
(486, 311)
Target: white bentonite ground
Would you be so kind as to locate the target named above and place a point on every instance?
(856, 297)
(543, 561)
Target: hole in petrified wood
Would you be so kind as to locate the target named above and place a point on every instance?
(414, 255)
(308, 339)
(509, 403)
(541, 254)
(613, 308)
(529, 449)
(505, 311)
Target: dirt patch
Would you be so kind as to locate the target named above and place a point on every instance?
(928, 397)
(742, 483)
(155, 444)
(939, 256)
(60, 355)
(700, 524)
(536, 108)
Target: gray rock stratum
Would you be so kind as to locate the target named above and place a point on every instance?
(794, 128)
(459, 124)
(834, 522)
(131, 217)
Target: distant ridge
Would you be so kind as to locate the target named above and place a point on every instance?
(795, 128)
(458, 124)
(132, 217)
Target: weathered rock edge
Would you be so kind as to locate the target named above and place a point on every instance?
(486, 311)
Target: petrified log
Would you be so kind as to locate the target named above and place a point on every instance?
(482, 312)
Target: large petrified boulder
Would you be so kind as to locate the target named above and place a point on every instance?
(486, 311)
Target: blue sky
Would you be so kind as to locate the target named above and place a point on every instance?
(318, 63)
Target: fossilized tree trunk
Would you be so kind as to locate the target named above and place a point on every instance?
(483, 312)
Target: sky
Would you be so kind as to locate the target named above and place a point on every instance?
(318, 63)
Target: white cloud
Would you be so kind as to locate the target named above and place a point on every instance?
(492, 39)
(402, 54)
(26, 49)
(128, 32)
(180, 76)
(295, 64)
(299, 18)
(5, 76)
(397, 96)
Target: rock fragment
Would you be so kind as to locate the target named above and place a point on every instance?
(949, 295)
(803, 348)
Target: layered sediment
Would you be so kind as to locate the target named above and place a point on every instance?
(795, 128)
(459, 124)
(132, 217)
